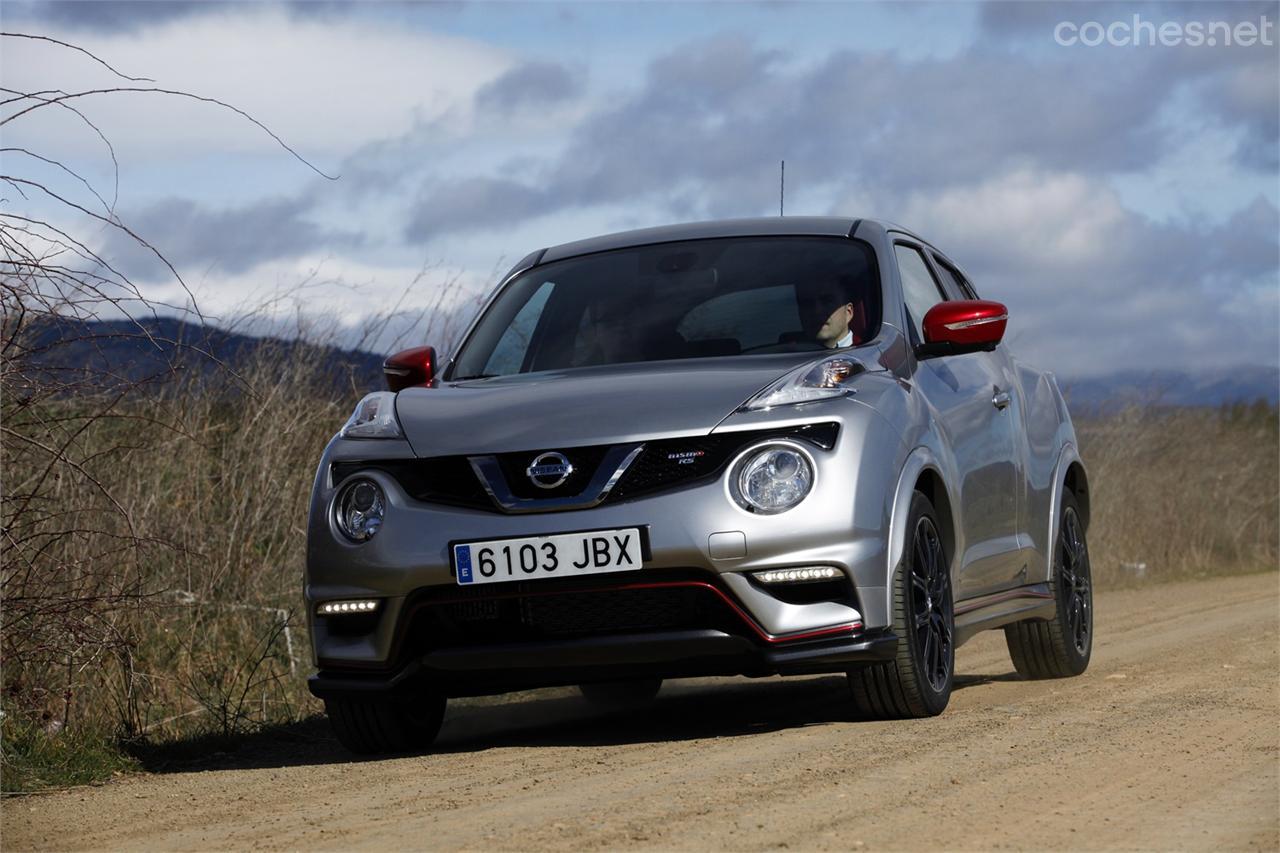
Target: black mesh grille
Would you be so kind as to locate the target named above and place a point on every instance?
(463, 617)
(667, 464)
(610, 612)
(443, 480)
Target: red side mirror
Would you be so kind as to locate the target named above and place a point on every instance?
(410, 367)
(963, 326)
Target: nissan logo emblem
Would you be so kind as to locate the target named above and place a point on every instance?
(549, 470)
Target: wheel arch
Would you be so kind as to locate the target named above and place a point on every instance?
(1076, 481)
(1069, 475)
(929, 483)
(921, 472)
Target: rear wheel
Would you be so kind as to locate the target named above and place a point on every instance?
(400, 723)
(616, 695)
(1060, 647)
(917, 683)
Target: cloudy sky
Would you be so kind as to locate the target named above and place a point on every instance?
(1122, 200)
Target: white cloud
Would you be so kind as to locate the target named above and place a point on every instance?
(1093, 195)
(326, 85)
(336, 300)
(1094, 287)
(1057, 220)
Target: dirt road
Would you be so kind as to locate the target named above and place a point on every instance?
(1170, 741)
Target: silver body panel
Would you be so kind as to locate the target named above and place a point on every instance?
(1002, 471)
(587, 406)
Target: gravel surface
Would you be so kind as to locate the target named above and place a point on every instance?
(1171, 740)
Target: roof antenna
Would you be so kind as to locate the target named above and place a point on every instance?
(782, 187)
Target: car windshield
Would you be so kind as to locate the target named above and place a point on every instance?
(692, 299)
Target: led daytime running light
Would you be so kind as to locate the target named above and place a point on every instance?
(806, 574)
(335, 608)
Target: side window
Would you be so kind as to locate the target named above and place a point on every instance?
(918, 286)
(952, 281)
(508, 356)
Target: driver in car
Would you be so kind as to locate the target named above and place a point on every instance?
(828, 311)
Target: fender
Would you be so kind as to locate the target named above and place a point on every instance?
(918, 460)
(1066, 457)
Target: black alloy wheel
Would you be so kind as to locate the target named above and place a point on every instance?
(931, 605)
(1074, 581)
(1060, 647)
(918, 681)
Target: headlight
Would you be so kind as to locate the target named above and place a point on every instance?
(374, 417)
(358, 509)
(773, 478)
(830, 377)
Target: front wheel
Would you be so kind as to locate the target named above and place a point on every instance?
(1060, 647)
(918, 682)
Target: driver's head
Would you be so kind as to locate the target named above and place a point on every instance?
(826, 308)
(616, 326)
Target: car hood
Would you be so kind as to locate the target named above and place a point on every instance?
(586, 406)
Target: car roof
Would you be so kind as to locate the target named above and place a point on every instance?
(768, 226)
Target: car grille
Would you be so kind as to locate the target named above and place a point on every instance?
(527, 611)
(674, 462)
(585, 462)
(662, 465)
(611, 611)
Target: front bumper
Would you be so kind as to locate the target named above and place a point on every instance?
(521, 635)
(480, 670)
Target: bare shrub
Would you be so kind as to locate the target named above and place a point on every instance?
(151, 521)
(1183, 492)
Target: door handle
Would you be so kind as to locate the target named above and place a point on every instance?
(1000, 399)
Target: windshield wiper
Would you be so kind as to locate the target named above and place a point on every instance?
(476, 376)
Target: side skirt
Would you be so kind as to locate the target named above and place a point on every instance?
(1034, 601)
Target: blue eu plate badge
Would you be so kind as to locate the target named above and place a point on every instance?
(462, 556)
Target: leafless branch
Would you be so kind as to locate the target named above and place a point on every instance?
(78, 49)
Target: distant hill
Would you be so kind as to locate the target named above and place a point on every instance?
(124, 351)
(1176, 388)
(156, 350)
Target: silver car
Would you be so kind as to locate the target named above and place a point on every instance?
(750, 447)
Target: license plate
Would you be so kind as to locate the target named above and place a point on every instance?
(560, 555)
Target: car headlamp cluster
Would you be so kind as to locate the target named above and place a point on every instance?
(820, 380)
(359, 509)
(374, 417)
(772, 478)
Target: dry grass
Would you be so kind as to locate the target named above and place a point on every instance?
(1183, 492)
(210, 637)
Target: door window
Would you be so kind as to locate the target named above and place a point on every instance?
(954, 283)
(919, 288)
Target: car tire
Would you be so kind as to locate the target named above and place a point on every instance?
(1060, 647)
(373, 725)
(918, 681)
(617, 695)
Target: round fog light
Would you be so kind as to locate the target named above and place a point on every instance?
(359, 508)
(774, 479)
